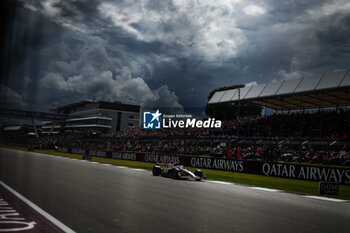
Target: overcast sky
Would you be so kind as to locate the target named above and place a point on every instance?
(164, 53)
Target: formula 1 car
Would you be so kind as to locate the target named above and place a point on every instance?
(176, 172)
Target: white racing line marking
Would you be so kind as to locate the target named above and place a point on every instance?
(265, 189)
(138, 169)
(325, 198)
(219, 182)
(49, 217)
(276, 190)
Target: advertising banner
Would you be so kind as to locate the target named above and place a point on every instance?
(293, 171)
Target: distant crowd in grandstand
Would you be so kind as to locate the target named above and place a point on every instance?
(228, 141)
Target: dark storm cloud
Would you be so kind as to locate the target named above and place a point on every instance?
(173, 53)
(288, 11)
(334, 33)
(299, 46)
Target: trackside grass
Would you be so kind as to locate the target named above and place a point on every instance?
(290, 185)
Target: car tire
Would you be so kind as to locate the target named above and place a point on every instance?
(176, 175)
(156, 170)
(199, 173)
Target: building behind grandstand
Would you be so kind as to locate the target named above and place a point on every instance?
(95, 117)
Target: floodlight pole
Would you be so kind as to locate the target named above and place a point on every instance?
(52, 128)
(35, 130)
(239, 101)
(237, 127)
(346, 110)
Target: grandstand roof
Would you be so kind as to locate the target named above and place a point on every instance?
(322, 91)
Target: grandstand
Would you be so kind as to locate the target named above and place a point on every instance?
(322, 91)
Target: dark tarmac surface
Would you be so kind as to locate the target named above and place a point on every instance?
(90, 197)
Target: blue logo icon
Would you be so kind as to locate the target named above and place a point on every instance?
(151, 120)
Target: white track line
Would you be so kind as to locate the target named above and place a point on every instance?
(49, 217)
(326, 198)
(138, 169)
(218, 182)
(106, 164)
(276, 190)
(265, 189)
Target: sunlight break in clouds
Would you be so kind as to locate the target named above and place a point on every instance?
(254, 10)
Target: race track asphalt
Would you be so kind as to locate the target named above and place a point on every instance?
(91, 197)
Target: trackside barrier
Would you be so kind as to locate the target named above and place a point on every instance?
(329, 188)
(88, 157)
(293, 171)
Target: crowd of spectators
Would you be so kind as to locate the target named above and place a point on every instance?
(224, 142)
(323, 125)
(214, 147)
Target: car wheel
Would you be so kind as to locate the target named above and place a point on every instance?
(156, 170)
(199, 173)
(176, 175)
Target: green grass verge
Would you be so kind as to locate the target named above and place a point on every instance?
(290, 185)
